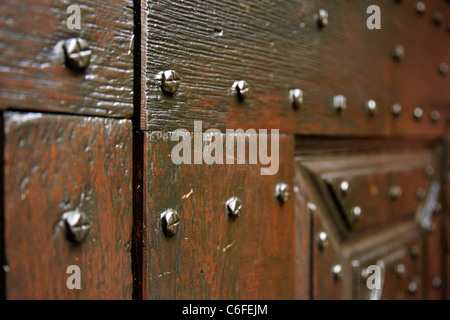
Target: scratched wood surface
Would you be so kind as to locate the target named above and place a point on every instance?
(55, 164)
(277, 46)
(33, 75)
(213, 256)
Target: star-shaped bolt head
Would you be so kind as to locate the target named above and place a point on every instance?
(170, 81)
(77, 53)
(170, 222)
(77, 225)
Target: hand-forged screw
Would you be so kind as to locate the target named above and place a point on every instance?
(77, 53)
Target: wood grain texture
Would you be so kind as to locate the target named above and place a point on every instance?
(213, 256)
(33, 75)
(55, 164)
(277, 46)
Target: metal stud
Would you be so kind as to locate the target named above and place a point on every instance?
(322, 18)
(436, 282)
(395, 192)
(396, 109)
(443, 68)
(400, 270)
(420, 7)
(296, 97)
(412, 287)
(241, 89)
(420, 194)
(418, 113)
(322, 240)
(398, 53)
(282, 192)
(170, 81)
(337, 271)
(170, 221)
(435, 116)
(414, 251)
(355, 214)
(430, 171)
(339, 103)
(77, 53)
(234, 207)
(371, 107)
(344, 187)
(77, 225)
(437, 18)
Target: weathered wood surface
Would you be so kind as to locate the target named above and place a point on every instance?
(212, 256)
(277, 46)
(53, 165)
(33, 75)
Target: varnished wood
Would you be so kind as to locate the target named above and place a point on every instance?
(213, 256)
(55, 164)
(277, 46)
(33, 75)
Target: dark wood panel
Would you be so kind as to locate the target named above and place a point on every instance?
(213, 256)
(277, 46)
(33, 75)
(60, 164)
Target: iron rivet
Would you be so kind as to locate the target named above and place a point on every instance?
(344, 187)
(77, 225)
(282, 192)
(241, 89)
(412, 287)
(77, 53)
(337, 271)
(400, 270)
(371, 107)
(436, 282)
(420, 194)
(420, 7)
(418, 113)
(170, 81)
(396, 109)
(355, 214)
(395, 192)
(296, 97)
(437, 19)
(234, 207)
(435, 115)
(414, 251)
(322, 18)
(170, 221)
(430, 171)
(398, 53)
(322, 240)
(339, 103)
(443, 68)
